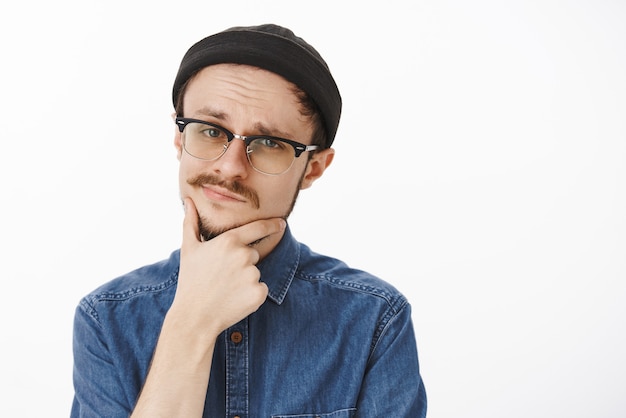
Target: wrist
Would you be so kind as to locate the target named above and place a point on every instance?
(181, 330)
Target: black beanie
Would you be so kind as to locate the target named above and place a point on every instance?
(273, 48)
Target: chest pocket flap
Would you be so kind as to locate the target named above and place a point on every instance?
(344, 413)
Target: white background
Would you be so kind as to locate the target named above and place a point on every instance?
(480, 168)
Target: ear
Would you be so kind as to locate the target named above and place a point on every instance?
(316, 166)
(178, 140)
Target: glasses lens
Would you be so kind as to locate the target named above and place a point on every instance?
(204, 141)
(270, 155)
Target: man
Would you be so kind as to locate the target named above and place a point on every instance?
(243, 320)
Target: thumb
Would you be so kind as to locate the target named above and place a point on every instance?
(191, 229)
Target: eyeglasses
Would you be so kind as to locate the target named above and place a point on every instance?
(266, 154)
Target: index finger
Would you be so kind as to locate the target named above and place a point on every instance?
(255, 231)
(191, 227)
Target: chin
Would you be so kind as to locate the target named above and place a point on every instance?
(209, 230)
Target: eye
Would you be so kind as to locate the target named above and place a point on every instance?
(270, 143)
(211, 132)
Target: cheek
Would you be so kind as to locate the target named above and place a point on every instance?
(278, 197)
(182, 168)
(187, 169)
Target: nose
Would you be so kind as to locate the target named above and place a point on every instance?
(234, 162)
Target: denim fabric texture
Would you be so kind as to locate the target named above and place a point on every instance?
(329, 341)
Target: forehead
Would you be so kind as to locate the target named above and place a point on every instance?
(243, 84)
(243, 96)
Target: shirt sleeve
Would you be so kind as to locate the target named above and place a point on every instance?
(392, 385)
(98, 391)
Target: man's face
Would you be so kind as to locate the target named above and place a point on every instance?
(246, 100)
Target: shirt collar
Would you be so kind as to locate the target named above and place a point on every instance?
(279, 267)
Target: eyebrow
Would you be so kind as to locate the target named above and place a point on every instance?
(264, 130)
(207, 111)
(259, 127)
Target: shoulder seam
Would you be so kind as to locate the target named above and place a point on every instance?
(133, 291)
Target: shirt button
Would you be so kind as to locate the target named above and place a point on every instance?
(236, 337)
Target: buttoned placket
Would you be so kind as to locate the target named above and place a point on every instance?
(237, 370)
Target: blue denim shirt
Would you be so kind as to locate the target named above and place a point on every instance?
(329, 341)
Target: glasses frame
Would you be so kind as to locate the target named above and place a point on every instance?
(298, 148)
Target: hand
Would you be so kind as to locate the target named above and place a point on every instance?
(218, 282)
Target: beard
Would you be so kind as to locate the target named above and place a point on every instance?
(208, 230)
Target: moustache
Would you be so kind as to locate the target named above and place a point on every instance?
(232, 186)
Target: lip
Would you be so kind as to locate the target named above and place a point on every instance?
(220, 194)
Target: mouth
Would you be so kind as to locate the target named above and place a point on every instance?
(221, 194)
(217, 190)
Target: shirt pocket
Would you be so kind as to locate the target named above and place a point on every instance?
(344, 413)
